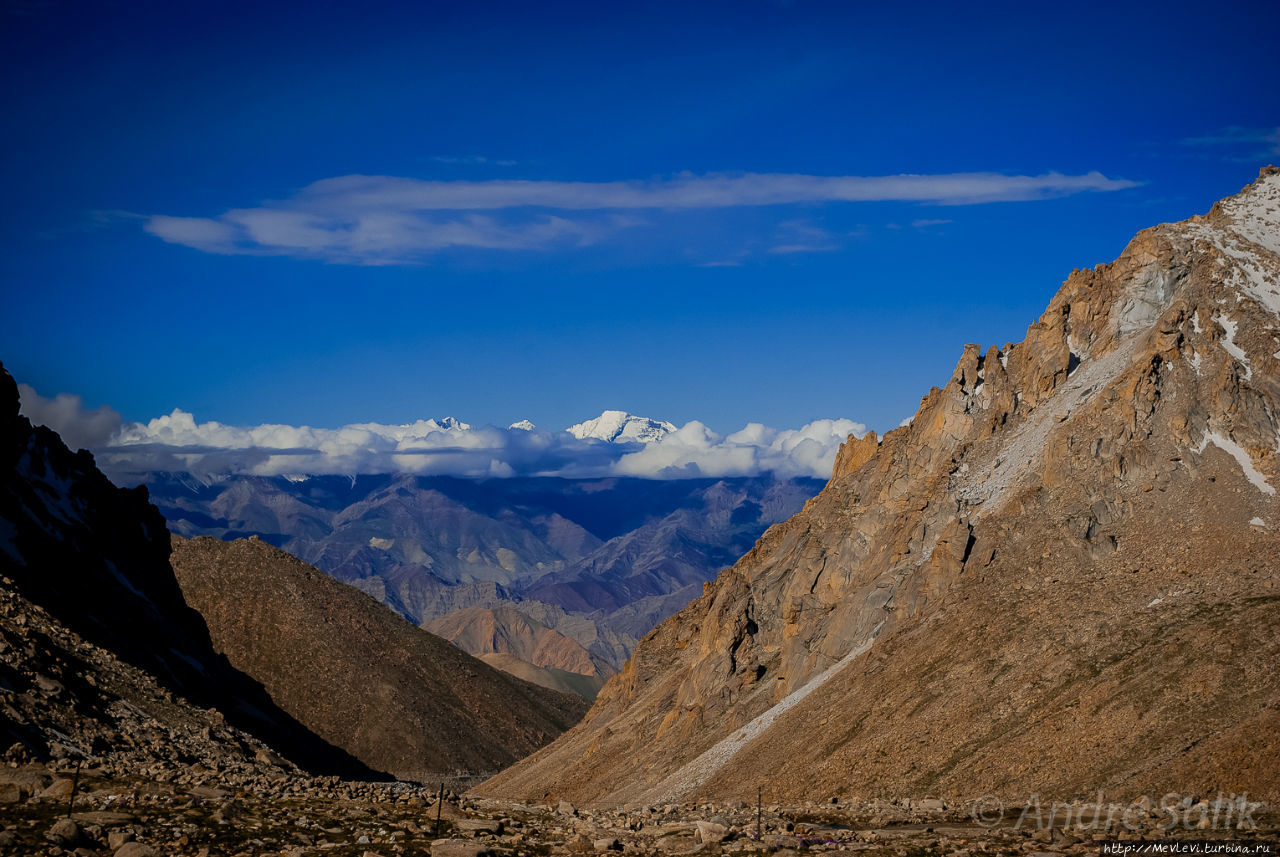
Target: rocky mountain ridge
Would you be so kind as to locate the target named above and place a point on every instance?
(1070, 547)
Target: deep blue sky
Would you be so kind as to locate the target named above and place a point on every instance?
(781, 313)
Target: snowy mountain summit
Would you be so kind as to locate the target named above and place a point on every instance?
(622, 427)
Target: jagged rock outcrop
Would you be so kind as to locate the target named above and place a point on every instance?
(395, 696)
(1060, 577)
(91, 561)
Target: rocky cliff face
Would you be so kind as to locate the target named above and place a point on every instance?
(393, 695)
(1058, 578)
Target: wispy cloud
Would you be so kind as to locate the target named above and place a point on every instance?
(177, 442)
(478, 160)
(1238, 143)
(361, 219)
(927, 222)
(800, 236)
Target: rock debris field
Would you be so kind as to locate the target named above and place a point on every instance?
(267, 809)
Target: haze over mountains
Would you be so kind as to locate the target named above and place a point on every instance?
(1059, 578)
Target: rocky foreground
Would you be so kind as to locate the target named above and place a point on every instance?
(193, 811)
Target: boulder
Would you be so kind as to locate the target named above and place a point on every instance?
(709, 832)
(459, 848)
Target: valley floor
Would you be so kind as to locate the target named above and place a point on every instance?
(188, 813)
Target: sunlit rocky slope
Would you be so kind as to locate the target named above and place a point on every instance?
(1059, 578)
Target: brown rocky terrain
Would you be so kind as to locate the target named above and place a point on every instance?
(358, 674)
(509, 640)
(1060, 578)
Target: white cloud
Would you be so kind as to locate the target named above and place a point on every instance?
(360, 219)
(925, 223)
(178, 442)
(1258, 143)
(695, 450)
(66, 414)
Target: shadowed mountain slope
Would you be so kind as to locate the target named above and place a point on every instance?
(1060, 577)
(357, 674)
(93, 559)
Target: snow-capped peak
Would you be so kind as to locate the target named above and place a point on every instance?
(522, 425)
(622, 427)
(451, 424)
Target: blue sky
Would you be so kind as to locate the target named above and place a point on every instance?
(684, 210)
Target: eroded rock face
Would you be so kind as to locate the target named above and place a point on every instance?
(1070, 546)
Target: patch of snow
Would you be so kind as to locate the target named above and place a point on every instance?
(522, 425)
(1229, 343)
(1004, 358)
(1154, 602)
(1242, 458)
(1248, 242)
(1195, 362)
(1257, 522)
(1195, 322)
(1256, 213)
(978, 389)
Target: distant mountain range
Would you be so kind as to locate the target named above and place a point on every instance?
(597, 561)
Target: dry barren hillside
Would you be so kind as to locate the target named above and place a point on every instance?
(1060, 577)
(358, 674)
